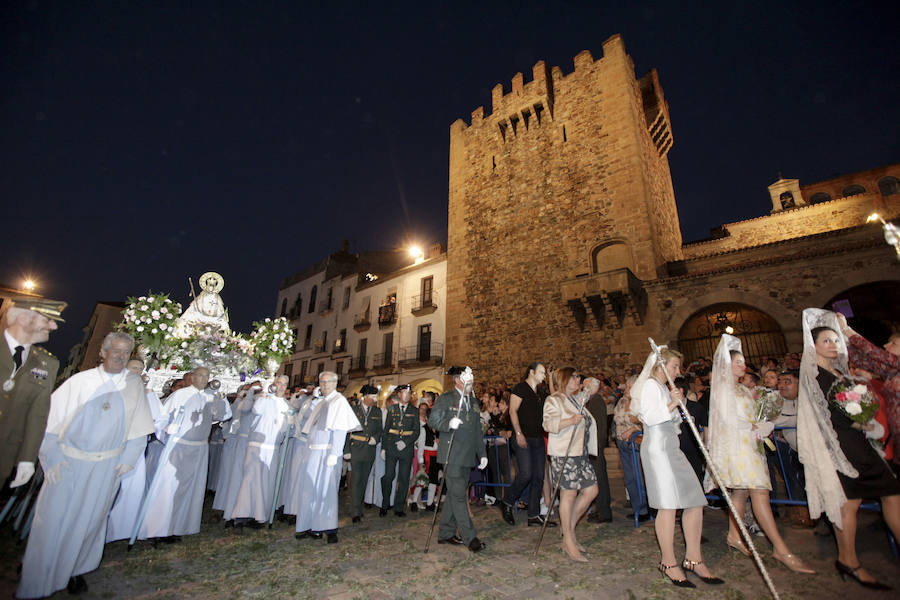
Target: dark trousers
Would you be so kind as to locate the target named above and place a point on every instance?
(530, 464)
(603, 500)
(359, 473)
(401, 464)
(455, 513)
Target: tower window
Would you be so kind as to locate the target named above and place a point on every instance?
(888, 186)
(853, 190)
(819, 197)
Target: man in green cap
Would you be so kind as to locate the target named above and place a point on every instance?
(27, 376)
(398, 441)
(360, 447)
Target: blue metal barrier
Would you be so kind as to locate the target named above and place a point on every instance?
(497, 453)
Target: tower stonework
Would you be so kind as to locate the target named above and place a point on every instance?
(560, 207)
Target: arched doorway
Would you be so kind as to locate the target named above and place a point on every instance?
(759, 333)
(872, 309)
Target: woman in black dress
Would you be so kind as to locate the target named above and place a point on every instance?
(827, 431)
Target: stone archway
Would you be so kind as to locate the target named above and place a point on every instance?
(760, 334)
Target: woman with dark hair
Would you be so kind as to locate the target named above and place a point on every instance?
(840, 464)
(572, 438)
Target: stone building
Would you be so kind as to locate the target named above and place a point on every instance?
(564, 242)
(86, 354)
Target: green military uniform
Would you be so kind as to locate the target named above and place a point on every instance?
(362, 454)
(24, 407)
(468, 450)
(401, 425)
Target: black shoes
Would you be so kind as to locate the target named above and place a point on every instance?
(356, 519)
(853, 572)
(77, 585)
(413, 507)
(538, 521)
(455, 540)
(430, 507)
(689, 567)
(308, 534)
(400, 513)
(476, 545)
(593, 518)
(508, 515)
(332, 538)
(382, 512)
(682, 583)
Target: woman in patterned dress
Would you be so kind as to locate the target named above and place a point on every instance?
(572, 437)
(733, 446)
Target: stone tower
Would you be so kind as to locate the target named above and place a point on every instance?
(560, 208)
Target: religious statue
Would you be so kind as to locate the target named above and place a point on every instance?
(207, 309)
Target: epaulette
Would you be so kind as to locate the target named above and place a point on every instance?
(45, 351)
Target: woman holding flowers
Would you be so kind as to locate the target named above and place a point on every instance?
(835, 426)
(736, 427)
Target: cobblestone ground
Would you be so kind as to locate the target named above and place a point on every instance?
(383, 558)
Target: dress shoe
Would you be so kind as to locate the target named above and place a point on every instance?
(229, 523)
(302, 535)
(793, 562)
(254, 524)
(641, 518)
(382, 512)
(430, 507)
(367, 505)
(598, 520)
(476, 545)
(455, 540)
(413, 507)
(690, 566)
(538, 521)
(332, 538)
(77, 585)
(683, 583)
(316, 535)
(853, 572)
(400, 513)
(356, 519)
(508, 515)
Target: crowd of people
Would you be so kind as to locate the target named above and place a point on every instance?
(121, 463)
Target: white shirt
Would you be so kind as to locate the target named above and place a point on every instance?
(13, 342)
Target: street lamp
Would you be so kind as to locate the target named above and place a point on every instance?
(28, 284)
(891, 232)
(416, 253)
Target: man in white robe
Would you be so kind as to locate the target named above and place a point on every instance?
(133, 484)
(176, 506)
(268, 425)
(97, 427)
(325, 431)
(234, 454)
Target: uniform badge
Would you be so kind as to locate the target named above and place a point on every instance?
(8, 385)
(39, 374)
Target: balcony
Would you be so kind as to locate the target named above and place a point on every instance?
(383, 363)
(318, 347)
(422, 355)
(357, 367)
(362, 322)
(325, 307)
(423, 304)
(387, 315)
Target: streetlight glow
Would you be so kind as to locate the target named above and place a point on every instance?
(416, 253)
(28, 284)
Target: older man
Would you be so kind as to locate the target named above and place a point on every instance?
(327, 421)
(177, 504)
(268, 425)
(97, 427)
(28, 373)
(455, 417)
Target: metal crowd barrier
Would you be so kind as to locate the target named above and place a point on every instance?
(497, 454)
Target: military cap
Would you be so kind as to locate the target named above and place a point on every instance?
(368, 390)
(402, 386)
(52, 309)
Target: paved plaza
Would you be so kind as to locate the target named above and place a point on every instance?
(382, 558)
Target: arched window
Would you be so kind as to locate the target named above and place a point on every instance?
(889, 186)
(819, 197)
(759, 333)
(787, 200)
(312, 298)
(853, 190)
(611, 256)
(284, 307)
(298, 304)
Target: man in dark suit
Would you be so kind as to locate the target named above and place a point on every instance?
(27, 373)
(398, 444)
(360, 447)
(456, 416)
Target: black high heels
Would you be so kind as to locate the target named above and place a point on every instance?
(853, 572)
(688, 565)
(682, 583)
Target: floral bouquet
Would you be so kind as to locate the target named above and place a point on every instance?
(767, 405)
(150, 321)
(214, 349)
(853, 399)
(272, 340)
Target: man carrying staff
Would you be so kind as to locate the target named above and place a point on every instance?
(360, 447)
(28, 373)
(98, 426)
(456, 415)
(398, 441)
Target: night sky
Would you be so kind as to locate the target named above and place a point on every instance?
(143, 142)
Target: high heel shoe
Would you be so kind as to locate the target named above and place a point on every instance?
(738, 545)
(682, 583)
(793, 562)
(689, 565)
(575, 557)
(853, 572)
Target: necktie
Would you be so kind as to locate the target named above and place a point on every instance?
(17, 356)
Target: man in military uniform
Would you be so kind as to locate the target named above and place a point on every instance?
(360, 447)
(456, 416)
(27, 373)
(401, 430)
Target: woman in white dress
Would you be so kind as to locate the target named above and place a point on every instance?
(671, 482)
(733, 446)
